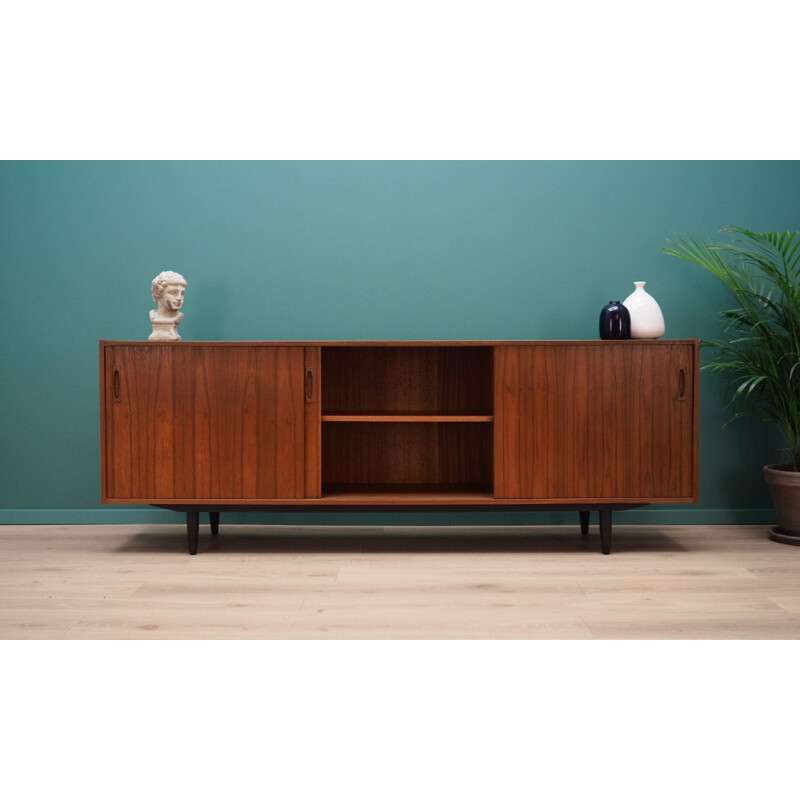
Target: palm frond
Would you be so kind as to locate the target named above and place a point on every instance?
(760, 357)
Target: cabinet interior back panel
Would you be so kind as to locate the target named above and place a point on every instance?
(428, 380)
(436, 454)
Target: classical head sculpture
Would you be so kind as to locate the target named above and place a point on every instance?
(168, 290)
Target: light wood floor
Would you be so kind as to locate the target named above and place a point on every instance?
(138, 582)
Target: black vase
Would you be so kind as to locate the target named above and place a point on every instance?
(615, 321)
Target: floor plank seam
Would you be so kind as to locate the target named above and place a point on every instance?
(297, 615)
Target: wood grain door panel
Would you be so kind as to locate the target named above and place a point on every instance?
(204, 422)
(583, 421)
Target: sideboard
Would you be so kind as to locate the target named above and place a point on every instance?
(571, 425)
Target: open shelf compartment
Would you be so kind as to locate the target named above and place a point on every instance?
(407, 381)
(406, 420)
(406, 457)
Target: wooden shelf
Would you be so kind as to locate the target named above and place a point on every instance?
(414, 416)
(405, 491)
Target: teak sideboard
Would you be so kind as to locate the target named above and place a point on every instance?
(569, 425)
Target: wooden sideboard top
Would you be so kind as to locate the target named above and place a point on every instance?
(410, 343)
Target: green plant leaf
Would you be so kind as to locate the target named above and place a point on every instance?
(760, 354)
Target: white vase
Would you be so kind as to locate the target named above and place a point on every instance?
(647, 321)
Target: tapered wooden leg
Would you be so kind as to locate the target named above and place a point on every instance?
(192, 530)
(214, 517)
(605, 531)
(584, 522)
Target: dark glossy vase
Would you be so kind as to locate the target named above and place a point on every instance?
(615, 321)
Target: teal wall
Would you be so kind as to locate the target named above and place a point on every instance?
(350, 250)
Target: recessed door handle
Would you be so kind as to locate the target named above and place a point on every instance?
(116, 387)
(682, 384)
(309, 385)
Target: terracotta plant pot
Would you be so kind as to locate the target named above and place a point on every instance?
(784, 485)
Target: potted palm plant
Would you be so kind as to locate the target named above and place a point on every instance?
(760, 355)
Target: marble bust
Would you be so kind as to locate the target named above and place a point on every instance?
(168, 291)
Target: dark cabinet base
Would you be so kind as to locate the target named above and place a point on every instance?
(193, 519)
(605, 530)
(193, 530)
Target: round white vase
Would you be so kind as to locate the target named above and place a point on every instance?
(647, 321)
